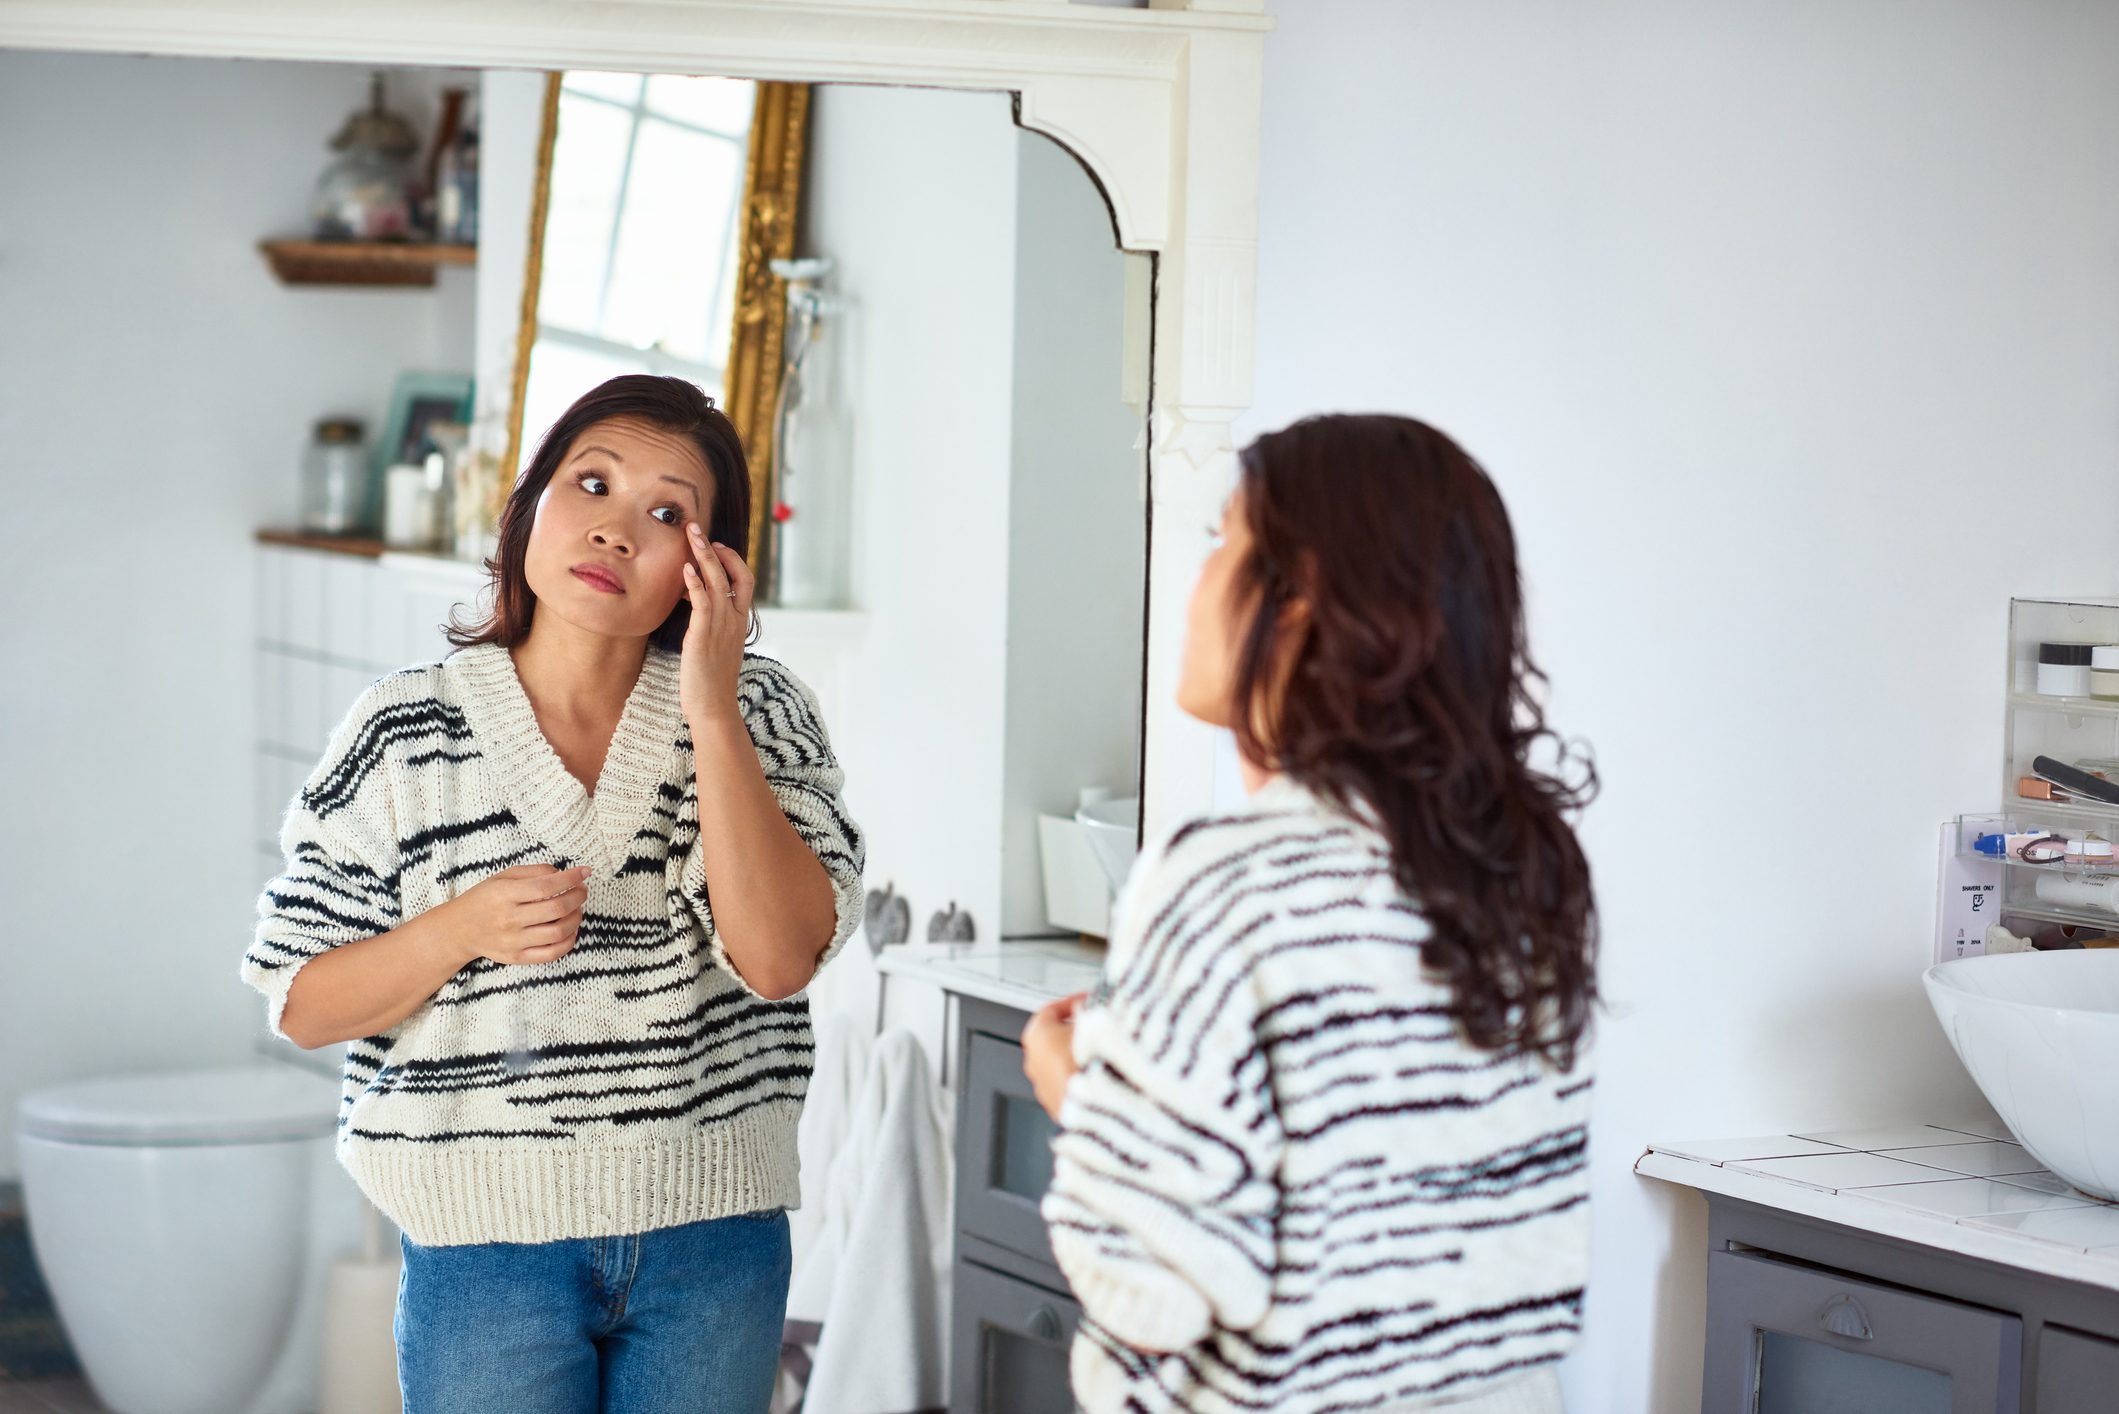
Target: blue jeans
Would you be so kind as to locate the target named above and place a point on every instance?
(683, 1320)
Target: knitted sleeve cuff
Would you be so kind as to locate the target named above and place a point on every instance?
(1148, 1307)
(692, 881)
(848, 903)
(275, 979)
(847, 907)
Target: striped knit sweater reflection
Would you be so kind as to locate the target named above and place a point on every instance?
(1281, 1166)
(636, 1082)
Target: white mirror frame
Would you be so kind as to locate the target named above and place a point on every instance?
(1160, 104)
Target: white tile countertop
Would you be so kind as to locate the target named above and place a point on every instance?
(1024, 975)
(1960, 1187)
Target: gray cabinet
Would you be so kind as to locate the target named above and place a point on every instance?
(1786, 1338)
(2077, 1373)
(1809, 1317)
(1004, 1149)
(1010, 1339)
(1012, 1319)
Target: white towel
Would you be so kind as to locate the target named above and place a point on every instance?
(876, 1276)
(840, 1065)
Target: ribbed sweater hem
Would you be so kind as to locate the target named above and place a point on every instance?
(517, 1191)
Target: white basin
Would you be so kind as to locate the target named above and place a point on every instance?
(2039, 1033)
(1113, 828)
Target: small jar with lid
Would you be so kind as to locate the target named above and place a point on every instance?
(335, 478)
(2064, 669)
(2091, 849)
(2104, 670)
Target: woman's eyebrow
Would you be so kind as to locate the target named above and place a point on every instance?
(680, 481)
(584, 451)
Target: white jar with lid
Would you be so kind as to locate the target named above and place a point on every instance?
(2104, 670)
(2064, 669)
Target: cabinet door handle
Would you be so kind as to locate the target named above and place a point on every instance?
(1843, 1315)
(1044, 1323)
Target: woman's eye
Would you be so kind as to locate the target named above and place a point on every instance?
(671, 512)
(591, 484)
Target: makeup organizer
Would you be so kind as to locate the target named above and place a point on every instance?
(2048, 863)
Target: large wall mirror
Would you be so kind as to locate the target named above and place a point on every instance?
(978, 384)
(918, 316)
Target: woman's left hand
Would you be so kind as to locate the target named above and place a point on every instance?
(1048, 1051)
(720, 586)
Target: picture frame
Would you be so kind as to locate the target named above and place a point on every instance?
(417, 401)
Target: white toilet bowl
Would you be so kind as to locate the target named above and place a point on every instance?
(173, 1218)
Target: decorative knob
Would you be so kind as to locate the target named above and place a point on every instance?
(1044, 1323)
(1843, 1315)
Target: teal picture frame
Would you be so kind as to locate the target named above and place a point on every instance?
(416, 399)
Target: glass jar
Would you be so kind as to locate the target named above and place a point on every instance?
(335, 478)
(366, 195)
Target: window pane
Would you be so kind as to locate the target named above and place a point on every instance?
(620, 88)
(588, 158)
(1025, 1158)
(1798, 1376)
(723, 322)
(721, 104)
(560, 373)
(672, 242)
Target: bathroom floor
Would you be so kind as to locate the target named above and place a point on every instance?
(38, 1373)
(48, 1397)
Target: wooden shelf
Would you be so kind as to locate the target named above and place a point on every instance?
(366, 546)
(362, 262)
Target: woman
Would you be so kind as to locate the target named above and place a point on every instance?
(573, 1083)
(1322, 1128)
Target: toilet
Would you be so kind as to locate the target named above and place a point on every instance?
(184, 1223)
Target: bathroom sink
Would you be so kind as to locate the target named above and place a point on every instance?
(2039, 1033)
(1113, 828)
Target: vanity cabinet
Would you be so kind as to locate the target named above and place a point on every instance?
(1012, 1317)
(1784, 1337)
(1810, 1317)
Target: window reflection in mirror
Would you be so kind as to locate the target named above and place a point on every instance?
(639, 257)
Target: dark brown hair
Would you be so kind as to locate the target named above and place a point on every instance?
(666, 404)
(1412, 691)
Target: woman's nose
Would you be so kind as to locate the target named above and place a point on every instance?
(612, 541)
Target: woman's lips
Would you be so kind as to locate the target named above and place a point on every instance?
(598, 578)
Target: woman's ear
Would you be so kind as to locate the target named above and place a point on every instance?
(1302, 596)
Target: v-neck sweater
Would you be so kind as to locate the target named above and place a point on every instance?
(635, 1083)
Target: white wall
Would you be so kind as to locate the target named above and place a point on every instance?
(511, 128)
(1791, 335)
(156, 390)
(1078, 527)
(913, 192)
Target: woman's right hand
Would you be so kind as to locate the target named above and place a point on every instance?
(527, 914)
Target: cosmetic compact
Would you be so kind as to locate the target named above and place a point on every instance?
(2064, 669)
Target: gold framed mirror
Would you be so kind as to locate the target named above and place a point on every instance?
(659, 204)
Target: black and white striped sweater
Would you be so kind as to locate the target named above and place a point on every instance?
(633, 1084)
(1283, 1180)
